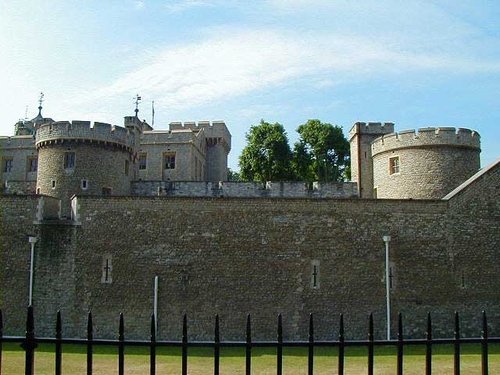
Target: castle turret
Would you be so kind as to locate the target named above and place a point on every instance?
(77, 158)
(424, 164)
(361, 136)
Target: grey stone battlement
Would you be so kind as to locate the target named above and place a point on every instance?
(245, 189)
(17, 141)
(424, 137)
(216, 132)
(371, 128)
(84, 131)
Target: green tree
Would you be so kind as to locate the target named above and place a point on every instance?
(267, 155)
(322, 153)
(233, 176)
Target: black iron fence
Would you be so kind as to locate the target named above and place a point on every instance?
(29, 342)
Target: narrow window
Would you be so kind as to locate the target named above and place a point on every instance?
(7, 165)
(84, 184)
(69, 160)
(53, 184)
(127, 165)
(32, 164)
(143, 159)
(38, 191)
(107, 268)
(315, 274)
(375, 192)
(394, 165)
(169, 160)
(463, 285)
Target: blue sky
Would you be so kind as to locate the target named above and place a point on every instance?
(416, 63)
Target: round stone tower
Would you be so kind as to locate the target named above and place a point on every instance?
(423, 164)
(77, 158)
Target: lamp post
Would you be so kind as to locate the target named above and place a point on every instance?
(387, 239)
(32, 241)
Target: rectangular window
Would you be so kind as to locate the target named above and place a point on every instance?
(169, 160)
(394, 165)
(84, 184)
(32, 164)
(143, 158)
(53, 184)
(69, 160)
(7, 165)
(127, 165)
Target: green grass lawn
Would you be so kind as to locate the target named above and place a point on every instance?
(263, 360)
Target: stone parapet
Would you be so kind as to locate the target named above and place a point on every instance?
(84, 131)
(372, 128)
(425, 137)
(245, 189)
(18, 141)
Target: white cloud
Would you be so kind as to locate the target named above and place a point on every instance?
(233, 63)
(175, 6)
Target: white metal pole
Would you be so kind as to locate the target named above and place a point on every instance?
(387, 239)
(155, 304)
(32, 241)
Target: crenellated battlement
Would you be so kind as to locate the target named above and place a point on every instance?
(216, 132)
(372, 128)
(84, 131)
(17, 142)
(425, 137)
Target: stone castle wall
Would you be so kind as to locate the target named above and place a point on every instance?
(245, 189)
(432, 162)
(20, 149)
(234, 256)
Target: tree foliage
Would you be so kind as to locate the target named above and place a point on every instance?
(267, 155)
(322, 152)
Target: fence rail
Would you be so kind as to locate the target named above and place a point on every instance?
(29, 343)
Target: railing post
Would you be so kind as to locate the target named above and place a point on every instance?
(1, 342)
(456, 363)
(248, 354)
(341, 346)
(152, 347)
(216, 346)
(29, 344)
(58, 343)
(121, 346)
(370, 345)
(400, 345)
(428, 346)
(484, 346)
(279, 347)
(90, 338)
(310, 361)
(184, 345)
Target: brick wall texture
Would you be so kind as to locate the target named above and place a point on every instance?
(235, 256)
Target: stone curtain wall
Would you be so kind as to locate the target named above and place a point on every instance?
(236, 256)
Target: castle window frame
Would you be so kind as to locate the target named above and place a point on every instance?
(8, 164)
(69, 160)
(107, 270)
(315, 274)
(32, 164)
(394, 165)
(84, 184)
(53, 184)
(169, 160)
(143, 161)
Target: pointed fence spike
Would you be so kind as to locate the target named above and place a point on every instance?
(428, 351)
(121, 329)
(279, 347)
(310, 359)
(153, 327)
(90, 337)
(484, 346)
(58, 325)
(248, 349)
(184, 346)
(400, 345)
(121, 346)
(216, 346)
(90, 328)
(341, 346)
(456, 354)
(370, 345)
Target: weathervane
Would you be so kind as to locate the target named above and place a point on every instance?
(40, 101)
(137, 100)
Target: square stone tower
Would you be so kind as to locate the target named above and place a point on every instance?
(361, 135)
